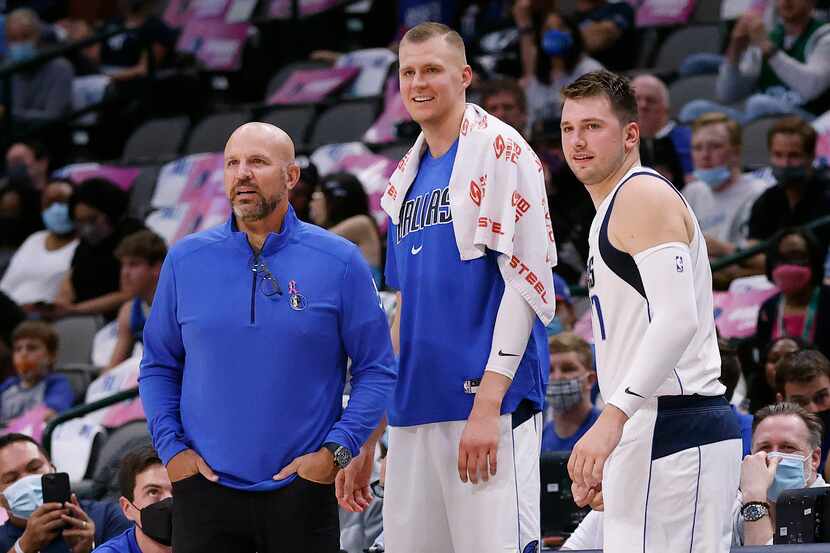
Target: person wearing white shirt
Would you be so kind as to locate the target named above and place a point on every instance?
(41, 262)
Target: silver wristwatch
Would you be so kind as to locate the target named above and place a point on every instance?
(342, 455)
(754, 510)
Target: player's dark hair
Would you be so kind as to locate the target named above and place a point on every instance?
(815, 428)
(616, 88)
(814, 253)
(134, 463)
(800, 366)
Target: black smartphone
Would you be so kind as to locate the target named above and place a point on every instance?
(56, 487)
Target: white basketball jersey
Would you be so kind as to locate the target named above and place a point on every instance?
(620, 310)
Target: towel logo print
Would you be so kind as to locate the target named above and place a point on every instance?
(509, 148)
(477, 191)
(521, 204)
(295, 299)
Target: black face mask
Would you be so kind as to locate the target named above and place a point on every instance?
(157, 521)
(789, 175)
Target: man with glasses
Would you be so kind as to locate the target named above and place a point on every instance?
(245, 362)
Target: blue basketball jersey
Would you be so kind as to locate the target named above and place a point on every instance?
(449, 310)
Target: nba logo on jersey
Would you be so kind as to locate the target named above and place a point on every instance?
(679, 263)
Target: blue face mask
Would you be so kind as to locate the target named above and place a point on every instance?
(25, 496)
(56, 218)
(788, 476)
(19, 51)
(556, 43)
(713, 177)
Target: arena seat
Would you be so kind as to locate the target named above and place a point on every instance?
(294, 120)
(141, 192)
(683, 91)
(345, 122)
(76, 335)
(694, 39)
(706, 11)
(211, 133)
(104, 467)
(155, 141)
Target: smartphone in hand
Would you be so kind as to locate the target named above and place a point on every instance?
(56, 487)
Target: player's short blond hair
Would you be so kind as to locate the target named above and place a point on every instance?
(425, 31)
(567, 342)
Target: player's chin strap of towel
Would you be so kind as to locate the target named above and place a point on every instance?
(514, 322)
(666, 272)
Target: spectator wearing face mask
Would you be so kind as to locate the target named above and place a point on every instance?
(551, 60)
(43, 92)
(721, 196)
(569, 392)
(147, 501)
(97, 207)
(72, 527)
(785, 456)
(800, 194)
(795, 265)
(40, 264)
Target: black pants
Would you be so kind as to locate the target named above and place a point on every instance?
(298, 518)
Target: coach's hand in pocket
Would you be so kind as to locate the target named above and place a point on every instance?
(315, 467)
(187, 463)
(588, 457)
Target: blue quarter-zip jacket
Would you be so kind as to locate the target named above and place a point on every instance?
(251, 381)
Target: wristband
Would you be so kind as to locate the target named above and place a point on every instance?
(17, 548)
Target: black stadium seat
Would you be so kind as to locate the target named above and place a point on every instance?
(211, 133)
(695, 39)
(295, 120)
(345, 122)
(156, 141)
(754, 138)
(141, 193)
(682, 91)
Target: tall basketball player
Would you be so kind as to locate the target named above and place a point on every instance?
(666, 451)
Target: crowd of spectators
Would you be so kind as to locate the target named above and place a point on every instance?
(73, 249)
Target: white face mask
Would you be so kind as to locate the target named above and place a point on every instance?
(25, 496)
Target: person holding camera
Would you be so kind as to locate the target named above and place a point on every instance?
(34, 526)
(785, 456)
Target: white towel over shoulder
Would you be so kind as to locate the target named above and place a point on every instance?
(498, 202)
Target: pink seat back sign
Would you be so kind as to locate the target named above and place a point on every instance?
(308, 86)
(78, 172)
(216, 44)
(652, 13)
(385, 128)
(31, 423)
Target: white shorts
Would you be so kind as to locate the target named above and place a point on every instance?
(671, 483)
(428, 509)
